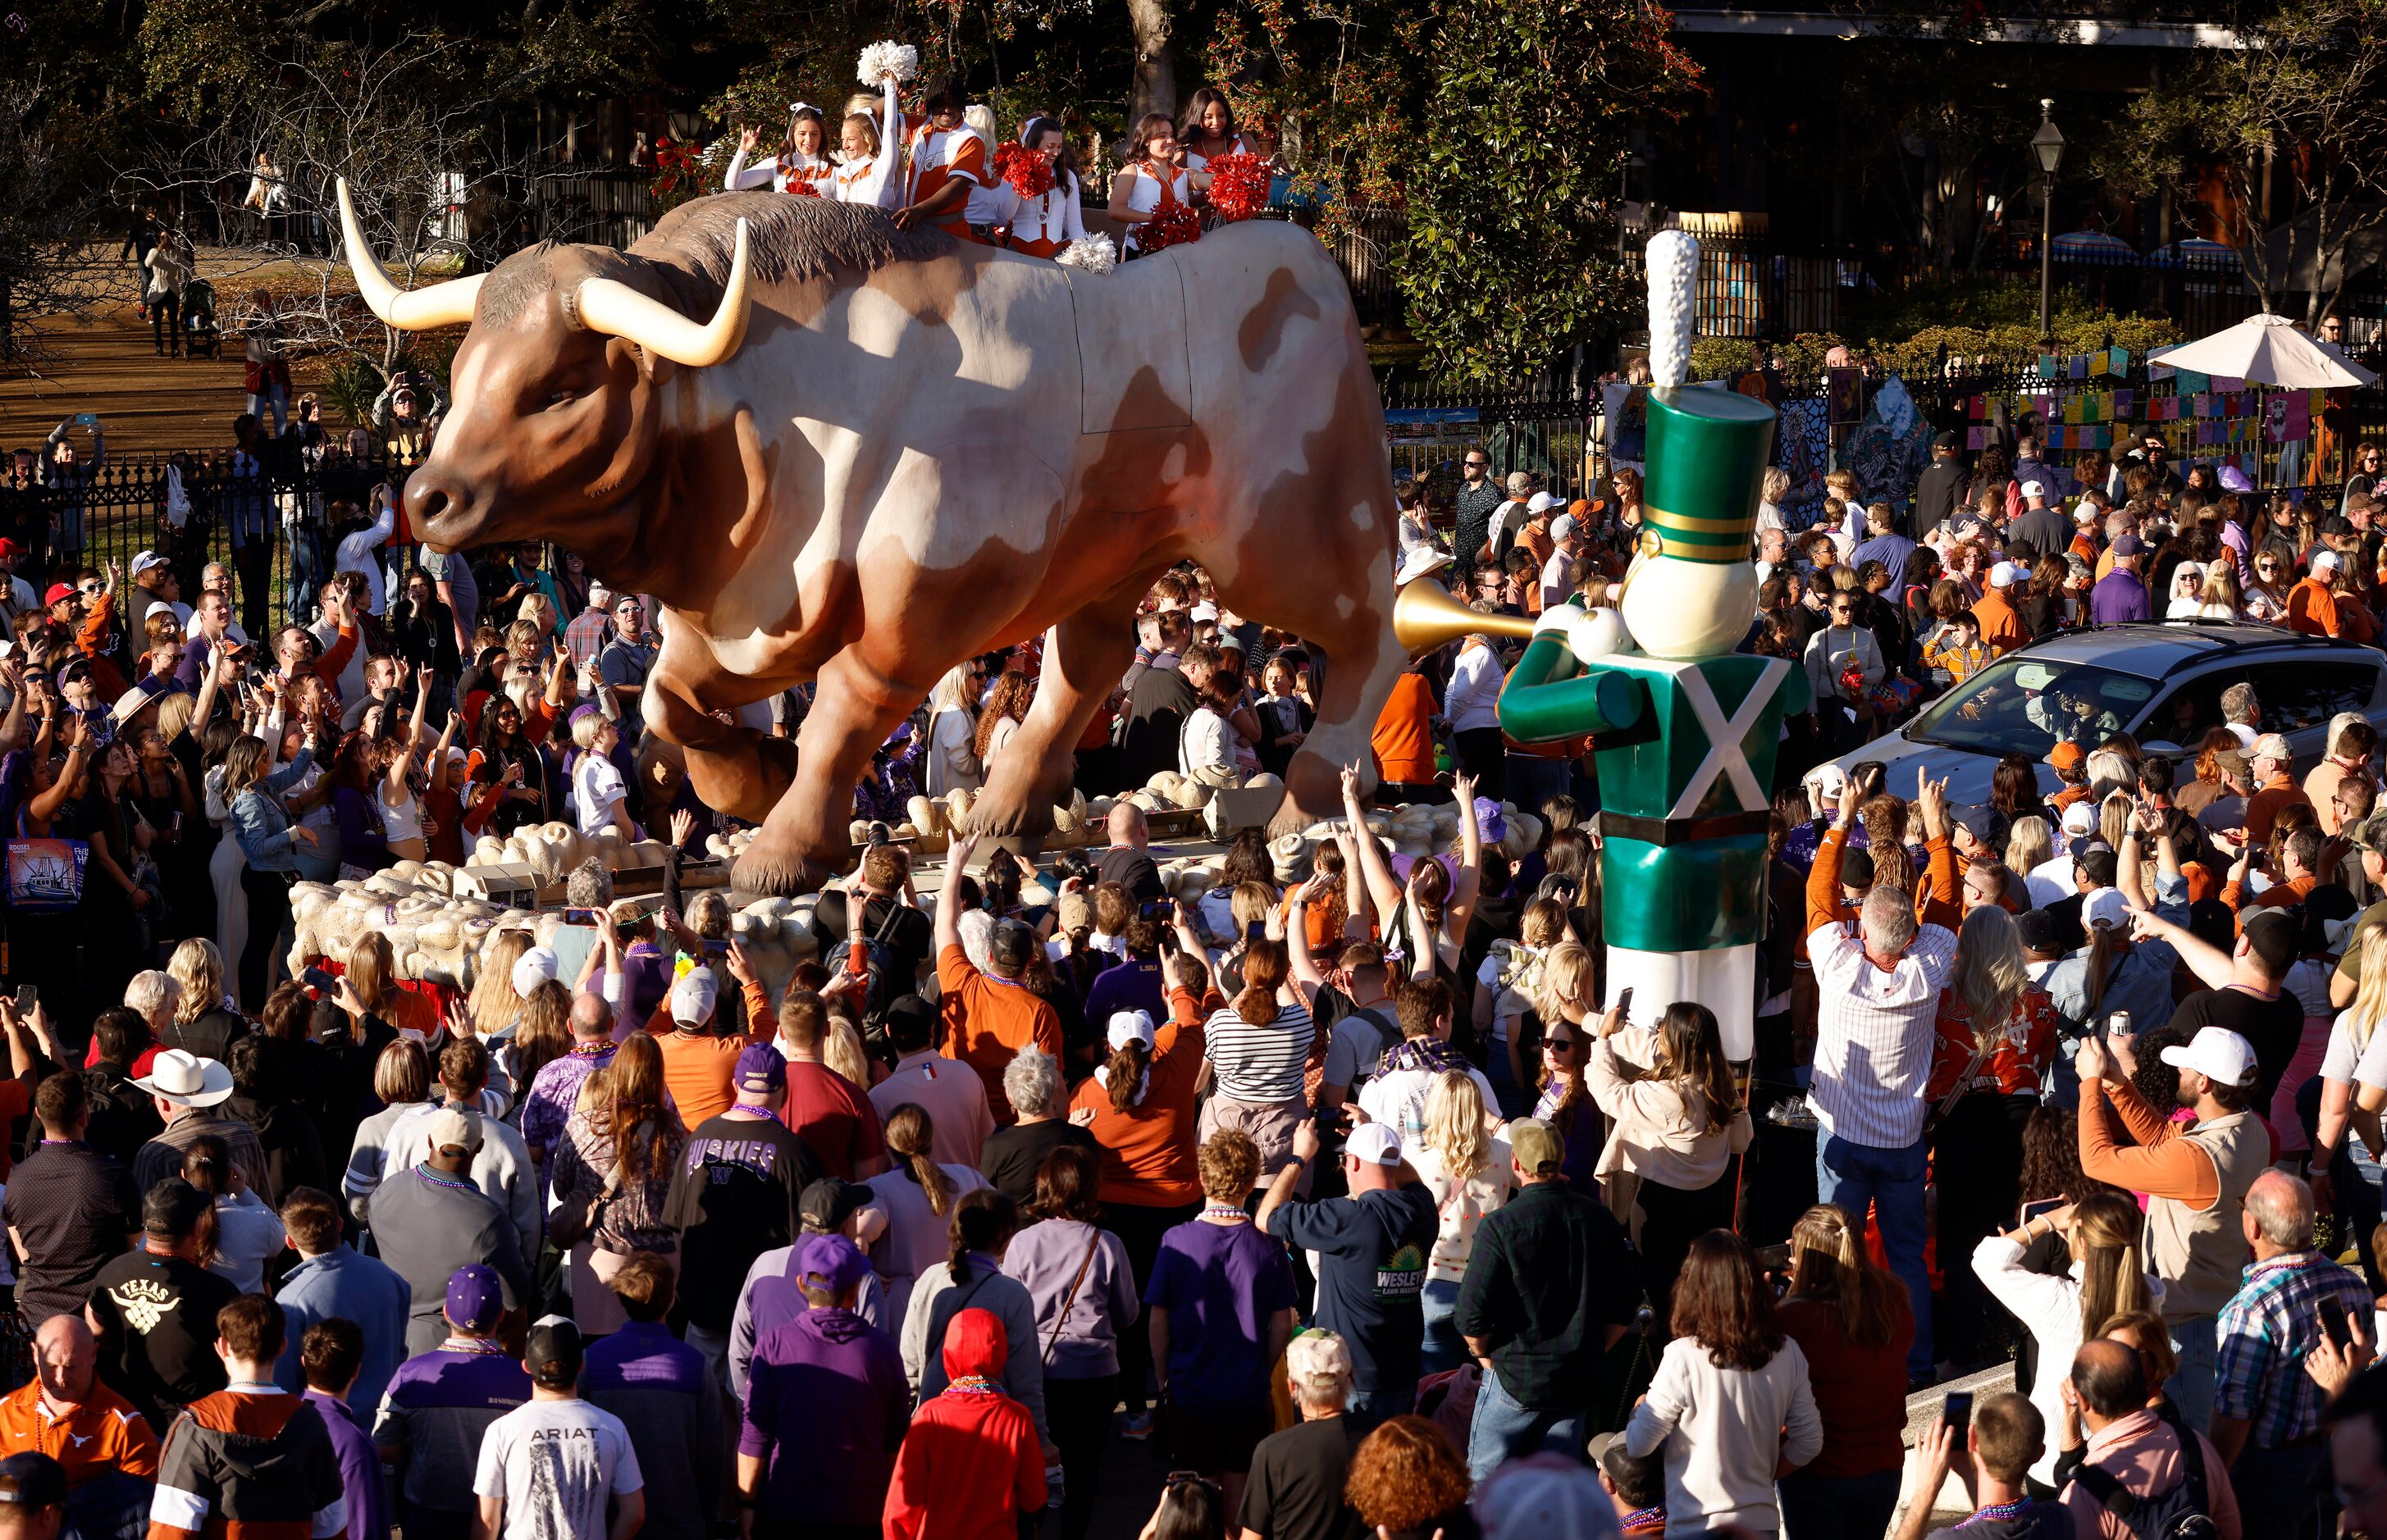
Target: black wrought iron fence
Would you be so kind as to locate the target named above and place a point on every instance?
(185, 504)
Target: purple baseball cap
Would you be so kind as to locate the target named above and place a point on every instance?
(830, 1263)
(476, 1297)
(760, 1068)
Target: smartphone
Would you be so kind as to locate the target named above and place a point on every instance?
(717, 947)
(26, 998)
(580, 916)
(1157, 909)
(1957, 1410)
(2045, 1205)
(2332, 1324)
(1625, 1003)
(315, 978)
(1255, 933)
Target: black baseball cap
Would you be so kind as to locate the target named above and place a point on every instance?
(2038, 931)
(827, 1204)
(1856, 869)
(32, 1480)
(1013, 944)
(553, 1351)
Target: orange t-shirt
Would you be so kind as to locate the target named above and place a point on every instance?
(697, 1066)
(1403, 738)
(989, 1020)
(1148, 1151)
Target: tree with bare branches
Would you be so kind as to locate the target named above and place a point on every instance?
(436, 186)
(48, 264)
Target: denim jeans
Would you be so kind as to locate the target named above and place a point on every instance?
(1837, 1508)
(2191, 1387)
(1890, 1182)
(1503, 1429)
(1444, 1347)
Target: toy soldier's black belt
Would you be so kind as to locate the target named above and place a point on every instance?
(1680, 832)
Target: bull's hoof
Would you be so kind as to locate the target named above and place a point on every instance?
(772, 873)
(1290, 818)
(1029, 818)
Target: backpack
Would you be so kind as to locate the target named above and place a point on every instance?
(2182, 1513)
(878, 963)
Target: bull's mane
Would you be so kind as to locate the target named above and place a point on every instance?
(687, 256)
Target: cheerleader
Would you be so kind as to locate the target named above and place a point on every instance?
(946, 161)
(1153, 182)
(1044, 225)
(799, 160)
(868, 173)
(1208, 131)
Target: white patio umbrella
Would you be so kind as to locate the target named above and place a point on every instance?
(2267, 349)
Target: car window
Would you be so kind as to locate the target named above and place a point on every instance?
(2306, 693)
(2026, 704)
(2187, 713)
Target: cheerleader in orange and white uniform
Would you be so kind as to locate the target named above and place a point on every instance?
(799, 160)
(1208, 131)
(1154, 180)
(868, 173)
(946, 160)
(1044, 225)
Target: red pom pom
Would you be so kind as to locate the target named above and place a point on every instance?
(1239, 185)
(1030, 174)
(1175, 226)
(804, 189)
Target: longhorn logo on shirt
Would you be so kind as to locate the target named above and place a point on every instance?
(144, 1302)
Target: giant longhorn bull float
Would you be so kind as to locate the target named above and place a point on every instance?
(886, 451)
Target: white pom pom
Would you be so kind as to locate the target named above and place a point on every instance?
(1092, 253)
(880, 59)
(1673, 260)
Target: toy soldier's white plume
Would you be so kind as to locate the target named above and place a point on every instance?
(1673, 260)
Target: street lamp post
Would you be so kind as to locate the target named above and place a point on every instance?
(2048, 145)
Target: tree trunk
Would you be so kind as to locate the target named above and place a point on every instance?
(1155, 63)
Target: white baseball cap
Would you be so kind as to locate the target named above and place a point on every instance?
(2105, 906)
(1374, 1145)
(2033, 489)
(2080, 819)
(2324, 560)
(533, 968)
(1205, 611)
(2217, 1054)
(2006, 574)
(1540, 500)
(1127, 1027)
(693, 997)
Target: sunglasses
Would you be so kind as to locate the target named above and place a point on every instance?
(1560, 1045)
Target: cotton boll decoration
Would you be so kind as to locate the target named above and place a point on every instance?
(882, 60)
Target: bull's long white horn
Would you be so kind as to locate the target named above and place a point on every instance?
(448, 304)
(616, 310)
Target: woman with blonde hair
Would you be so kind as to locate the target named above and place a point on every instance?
(542, 1035)
(918, 1197)
(842, 1051)
(402, 1081)
(2030, 844)
(1850, 1315)
(1990, 1059)
(1566, 1004)
(203, 1024)
(2353, 1088)
(1679, 1119)
(494, 1006)
(370, 987)
(952, 754)
(2109, 1276)
(611, 1175)
(2219, 597)
(1471, 1173)
(1504, 995)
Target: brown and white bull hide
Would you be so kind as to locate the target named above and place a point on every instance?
(906, 465)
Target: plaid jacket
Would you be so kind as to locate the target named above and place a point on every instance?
(2265, 1332)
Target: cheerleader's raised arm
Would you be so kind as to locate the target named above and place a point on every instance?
(743, 178)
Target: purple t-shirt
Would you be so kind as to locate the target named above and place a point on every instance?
(2119, 596)
(827, 1400)
(359, 1469)
(1220, 1285)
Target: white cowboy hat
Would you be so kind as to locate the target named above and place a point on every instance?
(187, 1080)
(1419, 563)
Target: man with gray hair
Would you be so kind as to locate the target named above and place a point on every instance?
(1878, 983)
(2242, 713)
(154, 997)
(1011, 1156)
(1294, 1491)
(2266, 1409)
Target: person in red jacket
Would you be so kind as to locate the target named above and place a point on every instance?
(971, 1464)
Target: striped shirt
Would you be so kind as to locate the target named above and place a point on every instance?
(2265, 1332)
(1260, 1065)
(1874, 1032)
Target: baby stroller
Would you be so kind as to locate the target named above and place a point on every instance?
(201, 333)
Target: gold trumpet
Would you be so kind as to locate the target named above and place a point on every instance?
(1425, 616)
